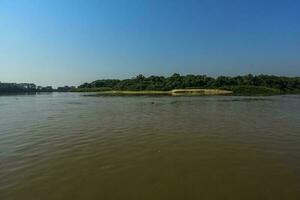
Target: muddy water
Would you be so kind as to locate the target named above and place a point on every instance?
(70, 146)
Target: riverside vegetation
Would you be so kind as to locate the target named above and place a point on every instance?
(155, 85)
(239, 85)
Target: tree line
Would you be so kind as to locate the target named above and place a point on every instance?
(247, 84)
(30, 88)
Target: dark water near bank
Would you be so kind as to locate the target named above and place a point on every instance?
(67, 146)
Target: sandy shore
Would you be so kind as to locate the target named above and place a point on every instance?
(176, 92)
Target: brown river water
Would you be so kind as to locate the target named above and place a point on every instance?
(69, 146)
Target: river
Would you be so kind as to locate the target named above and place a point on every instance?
(71, 146)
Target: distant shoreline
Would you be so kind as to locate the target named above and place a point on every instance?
(176, 92)
(176, 84)
(233, 91)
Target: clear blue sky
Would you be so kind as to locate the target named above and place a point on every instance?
(58, 42)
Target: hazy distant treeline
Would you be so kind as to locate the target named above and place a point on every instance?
(239, 84)
(29, 88)
(18, 88)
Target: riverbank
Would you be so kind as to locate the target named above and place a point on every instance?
(234, 91)
(176, 92)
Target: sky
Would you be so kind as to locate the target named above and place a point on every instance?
(69, 42)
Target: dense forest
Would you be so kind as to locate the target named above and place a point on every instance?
(248, 84)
